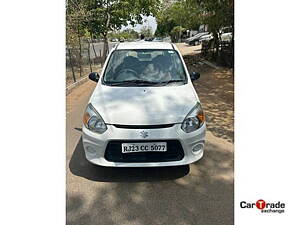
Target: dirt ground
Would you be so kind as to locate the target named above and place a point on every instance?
(215, 89)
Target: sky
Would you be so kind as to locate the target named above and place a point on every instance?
(150, 21)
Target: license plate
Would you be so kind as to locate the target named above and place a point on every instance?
(144, 147)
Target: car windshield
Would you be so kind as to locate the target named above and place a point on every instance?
(144, 67)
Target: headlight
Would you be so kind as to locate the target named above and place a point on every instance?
(194, 120)
(93, 121)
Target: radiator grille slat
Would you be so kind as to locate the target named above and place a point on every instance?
(143, 126)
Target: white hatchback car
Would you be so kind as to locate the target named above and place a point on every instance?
(144, 110)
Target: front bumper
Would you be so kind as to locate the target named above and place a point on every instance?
(95, 144)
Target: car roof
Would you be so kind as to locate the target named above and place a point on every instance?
(200, 34)
(144, 45)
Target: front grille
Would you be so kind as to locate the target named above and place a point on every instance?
(144, 126)
(114, 153)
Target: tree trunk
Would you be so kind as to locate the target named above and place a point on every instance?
(105, 48)
(232, 47)
(100, 58)
(179, 38)
(216, 46)
(89, 55)
(71, 63)
(93, 45)
(80, 57)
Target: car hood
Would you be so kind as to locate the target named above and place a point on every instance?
(143, 105)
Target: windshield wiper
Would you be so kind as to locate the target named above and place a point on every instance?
(131, 82)
(171, 81)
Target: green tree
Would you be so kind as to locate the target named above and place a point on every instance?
(108, 15)
(75, 30)
(129, 34)
(176, 33)
(125, 34)
(146, 31)
(216, 14)
(183, 13)
(165, 24)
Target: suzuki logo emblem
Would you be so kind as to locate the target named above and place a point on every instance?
(144, 134)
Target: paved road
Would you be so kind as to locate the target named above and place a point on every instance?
(200, 194)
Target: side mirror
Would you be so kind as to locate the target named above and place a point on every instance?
(94, 76)
(194, 75)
